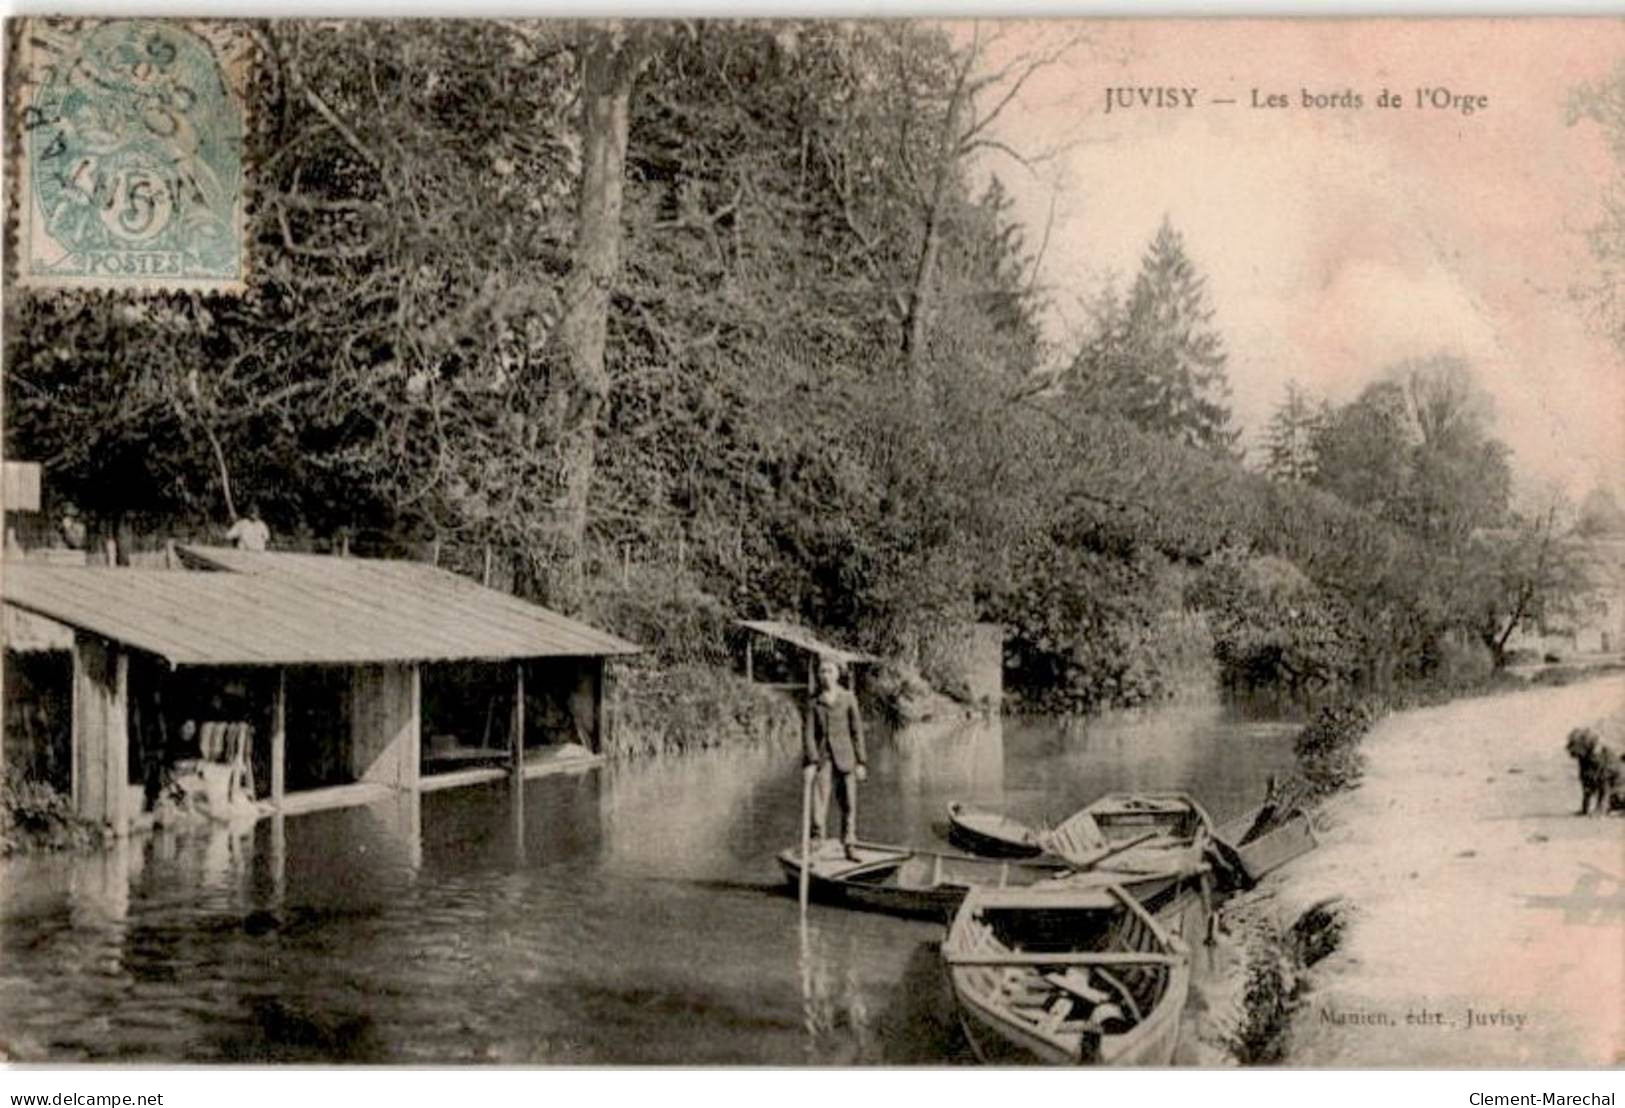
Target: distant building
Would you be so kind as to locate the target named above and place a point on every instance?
(1597, 624)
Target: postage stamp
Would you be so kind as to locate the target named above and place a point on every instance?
(128, 154)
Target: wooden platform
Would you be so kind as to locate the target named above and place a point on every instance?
(360, 794)
(334, 796)
(535, 766)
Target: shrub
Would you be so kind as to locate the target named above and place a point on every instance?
(676, 709)
(1459, 664)
(34, 817)
(1272, 627)
(1090, 630)
(1327, 748)
(664, 612)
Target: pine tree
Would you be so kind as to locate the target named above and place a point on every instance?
(1156, 359)
(1290, 443)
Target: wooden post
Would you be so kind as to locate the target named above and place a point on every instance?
(411, 763)
(598, 734)
(434, 551)
(171, 558)
(386, 724)
(750, 655)
(344, 544)
(516, 731)
(279, 740)
(626, 561)
(118, 745)
(485, 575)
(279, 857)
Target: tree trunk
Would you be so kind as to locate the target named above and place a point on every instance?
(925, 269)
(610, 61)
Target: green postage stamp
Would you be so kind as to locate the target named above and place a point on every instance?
(127, 154)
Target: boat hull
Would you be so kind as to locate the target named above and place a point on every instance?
(903, 882)
(1271, 850)
(990, 835)
(1066, 974)
(925, 903)
(999, 1041)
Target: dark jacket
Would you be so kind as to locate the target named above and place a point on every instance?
(834, 731)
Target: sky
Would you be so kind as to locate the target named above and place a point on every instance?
(1338, 241)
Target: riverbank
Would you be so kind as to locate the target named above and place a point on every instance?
(1480, 916)
(679, 708)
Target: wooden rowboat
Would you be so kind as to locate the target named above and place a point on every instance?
(1065, 975)
(1260, 844)
(992, 834)
(1126, 814)
(1173, 822)
(905, 881)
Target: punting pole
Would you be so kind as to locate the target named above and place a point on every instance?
(806, 795)
(806, 840)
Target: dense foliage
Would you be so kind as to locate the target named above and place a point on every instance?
(814, 385)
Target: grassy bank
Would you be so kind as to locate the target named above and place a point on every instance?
(681, 708)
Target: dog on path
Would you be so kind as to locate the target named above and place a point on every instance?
(1599, 772)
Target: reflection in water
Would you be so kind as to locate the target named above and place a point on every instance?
(834, 1012)
(631, 914)
(964, 760)
(1058, 766)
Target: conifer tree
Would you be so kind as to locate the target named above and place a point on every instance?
(1157, 359)
(1290, 442)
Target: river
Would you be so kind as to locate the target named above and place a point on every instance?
(633, 914)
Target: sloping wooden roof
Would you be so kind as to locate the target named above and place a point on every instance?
(804, 639)
(292, 609)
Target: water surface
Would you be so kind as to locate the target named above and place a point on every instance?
(633, 914)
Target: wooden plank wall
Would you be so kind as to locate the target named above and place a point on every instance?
(386, 737)
(101, 731)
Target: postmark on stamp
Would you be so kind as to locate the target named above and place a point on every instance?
(128, 154)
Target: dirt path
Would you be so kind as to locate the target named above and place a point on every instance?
(1472, 888)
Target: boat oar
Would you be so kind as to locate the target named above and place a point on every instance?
(1118, 849)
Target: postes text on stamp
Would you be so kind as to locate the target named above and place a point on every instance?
(129, 166)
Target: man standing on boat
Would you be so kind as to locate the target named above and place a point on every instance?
(833, 753)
